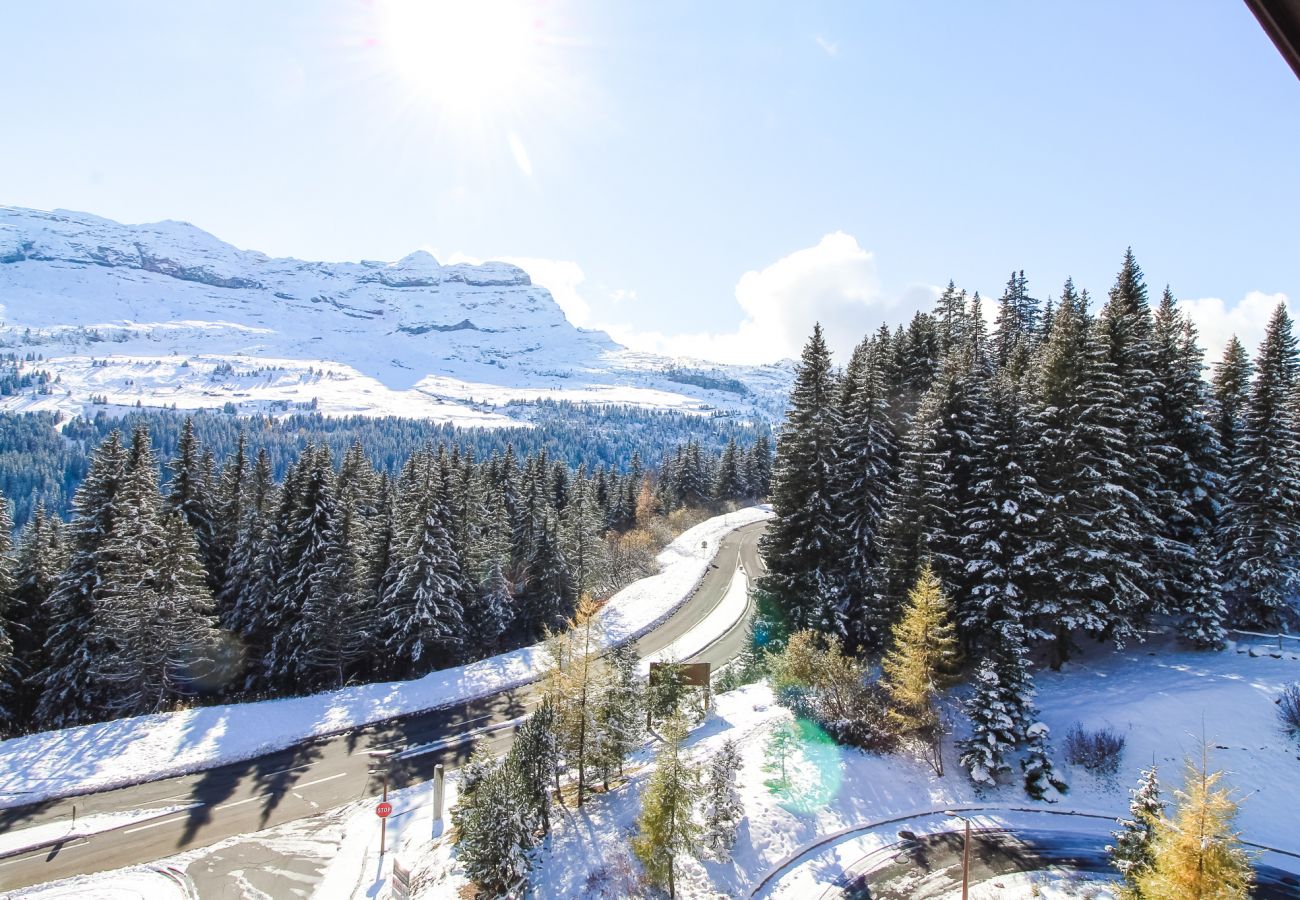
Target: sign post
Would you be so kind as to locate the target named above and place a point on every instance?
(383, 810)
(401, 884)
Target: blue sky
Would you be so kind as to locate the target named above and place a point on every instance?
(703, 178)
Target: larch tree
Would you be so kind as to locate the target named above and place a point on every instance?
(1196, 853)
(666, 827)
(922, 657)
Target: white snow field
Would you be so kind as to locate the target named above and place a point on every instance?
(1155, 694)
(125, 751)
(166, 314)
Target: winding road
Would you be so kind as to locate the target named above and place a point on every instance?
(324, 773)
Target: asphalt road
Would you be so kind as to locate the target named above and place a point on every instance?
(327, 772)
(931, 866)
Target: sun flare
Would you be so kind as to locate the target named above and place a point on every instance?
(467, 57)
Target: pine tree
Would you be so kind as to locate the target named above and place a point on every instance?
(1231, 396)
(228, 502)
(921, 658)
(156, 609)
(71, 691)
(802, 542)
(190, 494)
(423, 616)
(576, 682)
(535, 753)
(493, 610)
(1003, 541)
(1041, 780)
(1017, 329)
(549, 596)
(582, 525)
(1090, 533)
(619, 715)
(1132, 853)
(992, 738)
(494, 840)
(862, 477)
(8, 666)
(666, 827)
(36, 574)
(1196, 854)
(721, 803)
(1126, 330)
(1262, 527)
(1190, 472)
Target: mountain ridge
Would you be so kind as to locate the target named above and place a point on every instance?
(165, 313)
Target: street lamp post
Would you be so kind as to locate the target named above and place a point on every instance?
(965, 856)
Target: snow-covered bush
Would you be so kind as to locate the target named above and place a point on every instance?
(1288, 708)
(1097, 751)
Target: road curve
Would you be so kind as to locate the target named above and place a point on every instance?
(324, 773)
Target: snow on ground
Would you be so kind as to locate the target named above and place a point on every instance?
(13, 842)
(1042, 885)
(1155, 694)
(111, 754)
(140, 883)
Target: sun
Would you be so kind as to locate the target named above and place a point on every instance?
(466, 57)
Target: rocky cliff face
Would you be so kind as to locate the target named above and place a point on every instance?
(164, 313)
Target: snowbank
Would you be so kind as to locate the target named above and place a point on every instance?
(1155, 694)
(21, 840)
(112, 754)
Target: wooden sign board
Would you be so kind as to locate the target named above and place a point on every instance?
(693, 674)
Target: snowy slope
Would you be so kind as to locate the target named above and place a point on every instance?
(166, 313)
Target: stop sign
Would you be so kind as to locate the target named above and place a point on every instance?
(384, 810)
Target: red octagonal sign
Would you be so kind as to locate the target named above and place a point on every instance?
(384, 810)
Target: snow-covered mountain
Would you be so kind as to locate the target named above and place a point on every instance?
(166, 314)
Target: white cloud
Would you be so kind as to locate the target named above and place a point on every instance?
(834, 282)
(832, 48)
(1247, 319)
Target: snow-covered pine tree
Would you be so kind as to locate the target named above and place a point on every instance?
(1017, 329)
(492, 612)
(189, 492)
(1090, 533)
(549, 596)
(666, 827)
(1262, 521)
(1041, 780)
(984, 752)
(582, 524)
(535, 754)
(228, 503)
(619, 713)
(950, 319)
(36, 574)
(729, 484)
(71, 691)
(863, 473)
(494, 839)
(1190, 472)
(721, 805)
(1132, 853)
(1197, 853)
(1232, 375)
(423, 619)
(802, 541)
(758, 468)
(156, 607)
(1127, 329)
(8, 666)
(922, 657)
(1002, 541)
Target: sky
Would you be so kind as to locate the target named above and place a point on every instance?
(703, 179)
